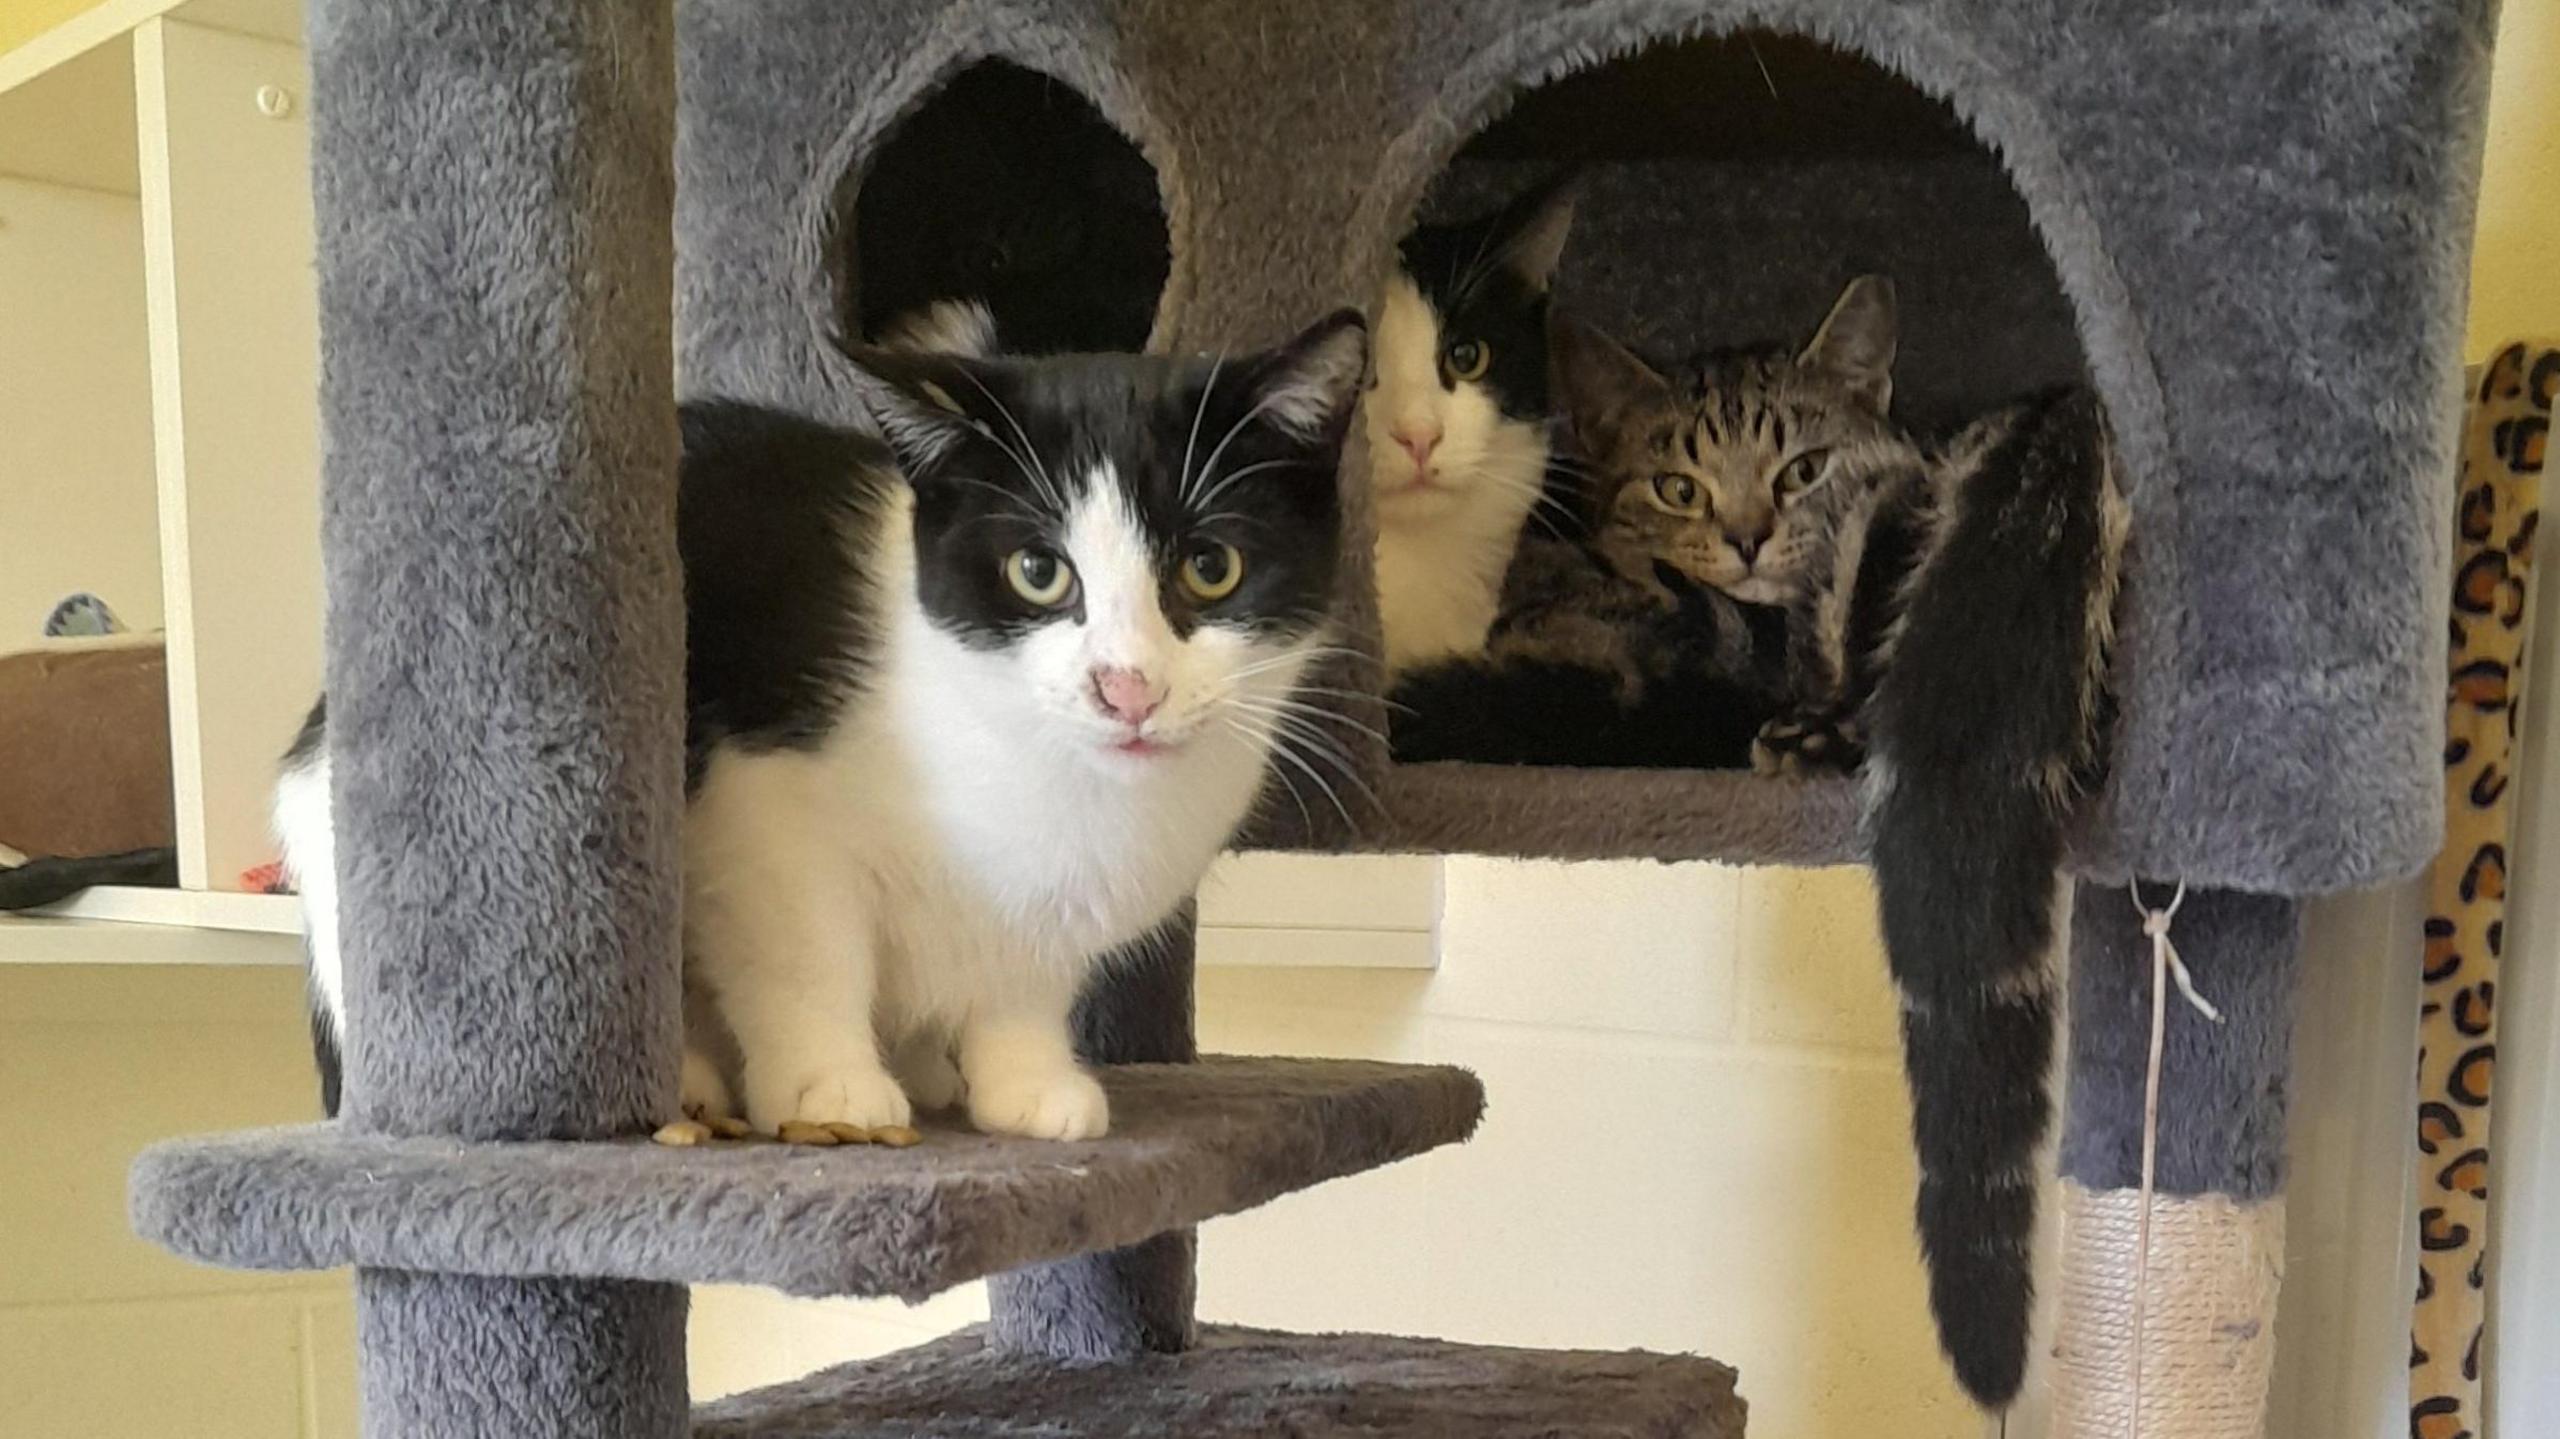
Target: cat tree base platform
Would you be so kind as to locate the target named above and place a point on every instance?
(1188, 1143)
(1244, 1382)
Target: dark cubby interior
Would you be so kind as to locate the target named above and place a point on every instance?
(1009, 186)
(1733, 184)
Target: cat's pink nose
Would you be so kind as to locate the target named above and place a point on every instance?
(1418, 439)
(1748, 546)
(1125, 694)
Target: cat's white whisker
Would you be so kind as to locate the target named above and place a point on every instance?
(1038, 470)
(1190, 478)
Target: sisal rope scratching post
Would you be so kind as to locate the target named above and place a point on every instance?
(2197, 1291)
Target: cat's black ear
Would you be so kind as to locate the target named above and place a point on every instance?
(1307, 387)
(1529, 234)
(1597, 382)
(1856, 342)
(923, 403)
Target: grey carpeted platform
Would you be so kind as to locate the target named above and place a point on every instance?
(1188, 1142)
(1538, 813)
(1240, 1382)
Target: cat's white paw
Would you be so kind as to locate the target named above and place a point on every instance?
(843, 1091)
(1041, 1104)
(930, 1077)
(703, 1094)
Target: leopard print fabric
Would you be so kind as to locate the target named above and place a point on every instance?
(2504, 438)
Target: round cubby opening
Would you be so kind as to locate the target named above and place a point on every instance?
(1732, 184)
(1008, 186)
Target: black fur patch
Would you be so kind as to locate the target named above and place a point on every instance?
(1192, 458)
(1545, 712)
(1460, 270)
(774, 515)
(325, 1059)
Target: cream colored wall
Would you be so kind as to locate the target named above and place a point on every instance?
(101, 1335)
(2515, 265)
(23, 20)
(77, 495)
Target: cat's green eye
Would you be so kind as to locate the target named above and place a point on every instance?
(1467, 359)
(1801, 474)
(1040, 577)
(1679, 494)
(1212, 570)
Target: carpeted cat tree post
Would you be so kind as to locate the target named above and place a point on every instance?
(2245, 226)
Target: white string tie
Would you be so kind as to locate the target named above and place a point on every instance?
(2166, 969)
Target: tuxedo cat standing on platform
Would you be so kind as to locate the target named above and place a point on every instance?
(964, 714)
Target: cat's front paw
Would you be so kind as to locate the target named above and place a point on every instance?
(704, 1094)
(842, 1091)
(1797, 746)
(929, 1075)
(1054, 1104)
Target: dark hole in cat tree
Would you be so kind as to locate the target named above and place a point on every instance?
(1733, 184)
(1007, 185)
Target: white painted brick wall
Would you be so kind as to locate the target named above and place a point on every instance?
(101, 1335)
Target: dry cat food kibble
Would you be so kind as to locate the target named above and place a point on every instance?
(729, 1126)
(794, 1131)
(896, 1136)
(847, 1133)
(683, 1134)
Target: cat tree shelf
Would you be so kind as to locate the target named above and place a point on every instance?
(1246, 1382)
(1534, 813)
(1188, 1143)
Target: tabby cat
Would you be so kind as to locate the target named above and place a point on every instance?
(1952, 604)
(964, 713)
(1774, 477)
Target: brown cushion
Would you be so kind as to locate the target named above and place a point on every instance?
(84, 749)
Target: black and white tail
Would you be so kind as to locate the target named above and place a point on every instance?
(1987, 722)
(309, 842)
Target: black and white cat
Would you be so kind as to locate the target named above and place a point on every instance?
(964, 718)
(1457, 418)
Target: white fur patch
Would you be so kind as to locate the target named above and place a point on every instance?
(945, 327)
(309, 842)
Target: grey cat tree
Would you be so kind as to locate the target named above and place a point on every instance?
(540, 222)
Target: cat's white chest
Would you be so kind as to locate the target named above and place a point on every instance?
(1439, 588)
(1067, 853)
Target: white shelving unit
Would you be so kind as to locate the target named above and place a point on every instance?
(159, 444)
(157, 430)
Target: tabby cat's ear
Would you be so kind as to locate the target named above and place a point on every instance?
(1306, 388)
(1856, 342)
(1529, 235)
(1599, 384)
(926, 403)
